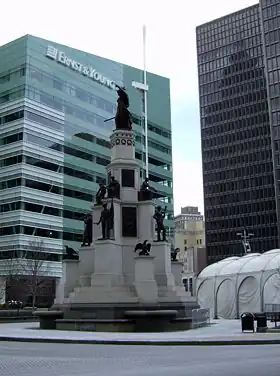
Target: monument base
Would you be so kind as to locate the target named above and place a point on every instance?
(126, 318)
(117, 310)
(103, 297)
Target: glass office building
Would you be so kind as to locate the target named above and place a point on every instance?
(55, 144)
(239, 106)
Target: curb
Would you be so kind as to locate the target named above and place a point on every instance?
(144, 343)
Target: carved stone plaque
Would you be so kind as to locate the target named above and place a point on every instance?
(129, 222)
(128, 178)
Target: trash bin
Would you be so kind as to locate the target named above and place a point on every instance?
(261, 322)
(247, 321)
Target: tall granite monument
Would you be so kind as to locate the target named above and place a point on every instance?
(110, 279)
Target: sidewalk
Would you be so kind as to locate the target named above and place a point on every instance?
(221, 332)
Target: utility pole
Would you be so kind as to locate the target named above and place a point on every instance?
(245, 236)
(144, 88)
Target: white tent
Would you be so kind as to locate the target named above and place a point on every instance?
(240, 284)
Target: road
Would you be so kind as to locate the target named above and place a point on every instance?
(34, 359)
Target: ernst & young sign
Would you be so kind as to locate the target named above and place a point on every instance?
(59, 56)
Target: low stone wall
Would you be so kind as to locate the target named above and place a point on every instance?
(8, 315)
(96, 325)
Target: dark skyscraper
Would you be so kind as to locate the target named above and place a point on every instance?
(237, 149)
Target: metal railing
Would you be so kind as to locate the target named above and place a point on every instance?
(272, 313)
(271, 308)
(200, 317)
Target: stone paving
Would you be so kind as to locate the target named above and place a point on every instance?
(42, 359)
(219, 330)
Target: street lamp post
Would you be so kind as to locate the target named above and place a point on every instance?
(245, 236)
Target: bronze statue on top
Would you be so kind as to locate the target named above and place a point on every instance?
(146, 191)
(100, 195)
(123, 117)
(113, 188)
(159, 218)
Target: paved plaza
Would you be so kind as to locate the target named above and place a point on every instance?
(68, 359)
(33, 359)
(219, 331)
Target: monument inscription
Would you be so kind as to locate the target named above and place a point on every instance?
(128, 179)
(129, 222)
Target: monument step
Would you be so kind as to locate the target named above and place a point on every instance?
(106, 289)
(102, 298)
(95, 292)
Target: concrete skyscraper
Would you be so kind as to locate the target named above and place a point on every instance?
(239, 72)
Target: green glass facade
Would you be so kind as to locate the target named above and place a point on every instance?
(55, 144)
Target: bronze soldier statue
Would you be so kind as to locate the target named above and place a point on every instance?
(87, 237)
(106, 220)
(146, 191)
(159, 218)
(100, 195)
(113, 188)
(173, 253)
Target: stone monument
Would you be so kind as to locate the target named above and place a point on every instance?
(111, 281)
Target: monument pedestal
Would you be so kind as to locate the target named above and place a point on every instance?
(145, 284)
(68, 281)
(177, 268)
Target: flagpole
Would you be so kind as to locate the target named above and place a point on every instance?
(143, 88)
(145, 103)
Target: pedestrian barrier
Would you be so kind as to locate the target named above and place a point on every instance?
(200, 317)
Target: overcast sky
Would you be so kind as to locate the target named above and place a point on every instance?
(113, 29)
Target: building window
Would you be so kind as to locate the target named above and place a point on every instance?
(11, 161)
(44, 233)
(13, 116)
(73, 237)
(9, 230)
(43, 164)
(43, 142)
(10, 207)
(57, 84)
(43, 186)
(78, 174)
(43, 120)
(12, 138)
(11, 183)
(41, 209)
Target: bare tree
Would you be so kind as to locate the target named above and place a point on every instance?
(2, 290)
(11, 280)
(34, 267)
